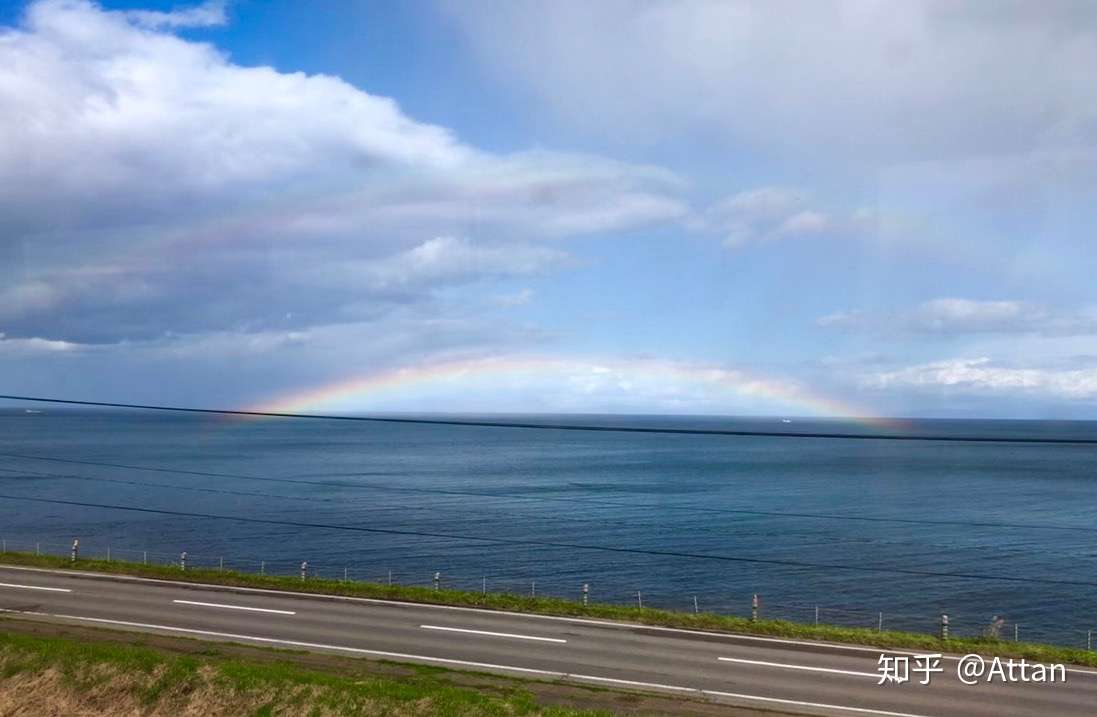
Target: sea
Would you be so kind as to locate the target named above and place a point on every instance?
(886, 532)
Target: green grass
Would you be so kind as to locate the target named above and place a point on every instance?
(108, 676)
(573, 608)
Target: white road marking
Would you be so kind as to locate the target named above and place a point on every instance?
(730, 636)
(35, 587)
(291, 643)
(819, 705)
(632, 683)
(492, 634)
(234, 607)
(873, 675)
(461, 608)
(465, 663)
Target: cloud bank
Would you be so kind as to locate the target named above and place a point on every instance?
(955, 316)
(169, 211)
(861, 80)
(983, 376)
(153, 187)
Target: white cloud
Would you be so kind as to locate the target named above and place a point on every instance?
(144, 175)
(34, 345)
(761, 204)
(842, 319)
(951, 314)
(208, 14)
(518, 298)
(967, 316)
(771, 213)
(845, 78)
(97, 106)
(456, 258)
(983, 376)
(806, 222)
(100, 110)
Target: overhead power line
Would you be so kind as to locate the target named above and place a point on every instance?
(564, 546)
(598, 502)
(569, 426)
(140, 484)
(184, 471)
(387, 506)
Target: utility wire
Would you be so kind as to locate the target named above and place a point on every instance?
(565, 546)
(140, 484)
(554, 499)
(568, 426)
(183, 471)
(387, 507)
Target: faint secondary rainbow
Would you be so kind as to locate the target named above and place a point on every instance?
(368, 391)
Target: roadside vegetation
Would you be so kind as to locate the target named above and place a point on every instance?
(572, 608)
(61, 676)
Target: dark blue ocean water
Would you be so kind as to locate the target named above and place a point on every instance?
(1011, 511)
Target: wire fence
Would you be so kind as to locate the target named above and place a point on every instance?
(753, 606)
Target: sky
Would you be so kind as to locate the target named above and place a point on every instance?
(766, 208)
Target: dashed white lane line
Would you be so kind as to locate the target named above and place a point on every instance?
(465, 663)
(760, 663)
(493, 634)
(35, 587)
(234, 607)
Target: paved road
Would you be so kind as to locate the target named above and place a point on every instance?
(782, 675)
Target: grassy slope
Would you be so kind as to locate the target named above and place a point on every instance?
(557, 606)
(48, 675)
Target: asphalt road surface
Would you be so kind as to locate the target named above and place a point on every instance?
(781, 675)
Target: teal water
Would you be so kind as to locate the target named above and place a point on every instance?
(1013, 524)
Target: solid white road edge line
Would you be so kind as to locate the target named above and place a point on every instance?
(462, 663)
(493, 634)
(460, 608)
(820, 705)
(35, 587)
(277, 641)
(873, 675)
(632, 683)
(234, 607)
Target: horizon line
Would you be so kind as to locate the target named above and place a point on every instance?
(564, 427)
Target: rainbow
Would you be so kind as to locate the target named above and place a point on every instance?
(651, 376)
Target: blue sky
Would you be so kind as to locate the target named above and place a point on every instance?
(687, 207)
